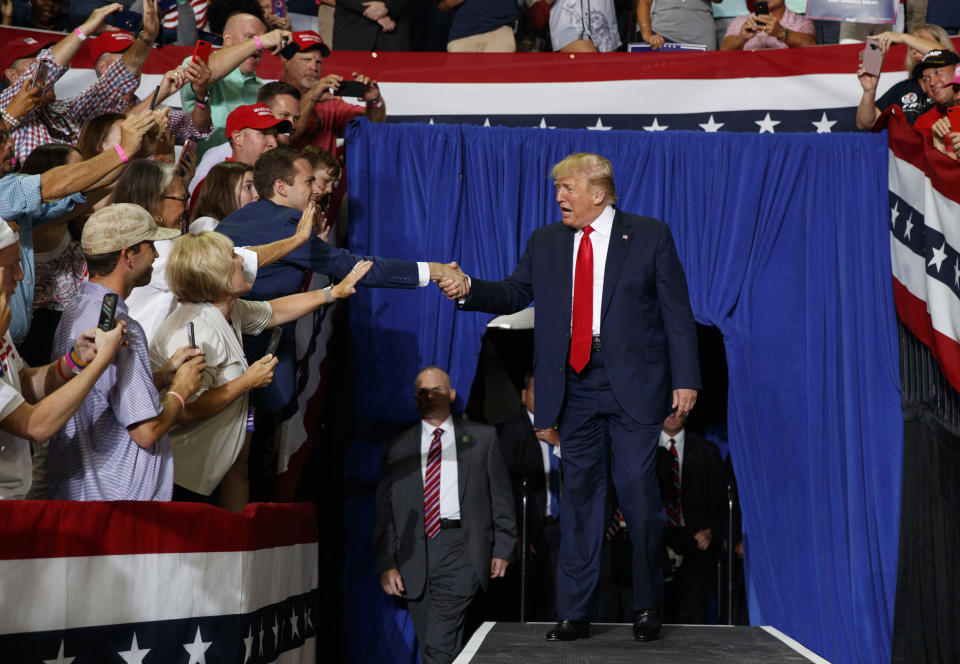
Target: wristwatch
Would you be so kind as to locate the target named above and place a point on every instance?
(786, 36)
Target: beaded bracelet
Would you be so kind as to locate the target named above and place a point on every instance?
(9, 119)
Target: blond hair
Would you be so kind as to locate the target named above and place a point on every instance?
(200, 267)
(595, 169)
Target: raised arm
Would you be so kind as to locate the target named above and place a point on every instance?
(292, 307)
(52, 399)
(69, 179)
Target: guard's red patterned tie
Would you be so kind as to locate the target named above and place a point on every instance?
(431, 487)
(582, 337)
(674, 507)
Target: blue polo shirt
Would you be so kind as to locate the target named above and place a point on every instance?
(475, 17)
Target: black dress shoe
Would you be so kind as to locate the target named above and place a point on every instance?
(646, 624)
(569, 630)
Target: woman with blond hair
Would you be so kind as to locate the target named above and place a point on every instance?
(210, 443)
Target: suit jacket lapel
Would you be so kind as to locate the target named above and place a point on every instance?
(564, 270)
(616, 253)
(463, 443)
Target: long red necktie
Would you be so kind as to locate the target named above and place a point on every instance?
(582, 336)
(431, 488)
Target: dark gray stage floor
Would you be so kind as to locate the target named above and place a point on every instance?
(614, 644)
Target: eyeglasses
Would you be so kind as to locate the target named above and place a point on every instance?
(182, 199)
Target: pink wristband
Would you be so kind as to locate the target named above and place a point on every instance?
(256, 40)
(79, 33)
(179, 398)
(123, 155)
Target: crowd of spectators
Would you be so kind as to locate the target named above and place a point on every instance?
(490, 25)
(132, 330)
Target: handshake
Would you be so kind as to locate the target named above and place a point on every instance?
(451, 280)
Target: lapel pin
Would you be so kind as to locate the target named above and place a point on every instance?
(625, 237)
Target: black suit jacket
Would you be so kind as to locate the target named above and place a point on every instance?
(352, 31)
(702, 493)
(486, 505)
(646, 324)
(521, 452)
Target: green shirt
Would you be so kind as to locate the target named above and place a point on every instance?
(234, 89)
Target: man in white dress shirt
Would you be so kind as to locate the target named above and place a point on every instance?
(444, 522)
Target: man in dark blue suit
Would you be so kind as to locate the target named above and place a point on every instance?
(284, 179)
(615, 350)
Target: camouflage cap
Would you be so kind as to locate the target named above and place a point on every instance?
(121, 225)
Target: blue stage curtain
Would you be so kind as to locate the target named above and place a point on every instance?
(784, 239)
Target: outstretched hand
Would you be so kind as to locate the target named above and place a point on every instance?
(346, 287)
(451, 279)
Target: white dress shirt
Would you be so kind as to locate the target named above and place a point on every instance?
(449, 485)
(599, 240)
(546, 449)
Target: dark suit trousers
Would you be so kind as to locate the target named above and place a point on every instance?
(593, 426)
(438, 614)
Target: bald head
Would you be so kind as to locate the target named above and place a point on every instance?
(434, 396)
(239, 28)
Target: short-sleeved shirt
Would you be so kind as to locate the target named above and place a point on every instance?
(568, 23)
(234, 89)
(21, 202)
(204, 451)
(685, 22)
(475, 17)
(762, 40)
(909, 96)
(93, 456)
(60, 272)
(16, 468)
(328, 121)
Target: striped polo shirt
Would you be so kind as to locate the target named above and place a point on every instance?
(93, 457)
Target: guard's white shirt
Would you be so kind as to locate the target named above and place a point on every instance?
(449, 485)
(600, 241)
(546, 449)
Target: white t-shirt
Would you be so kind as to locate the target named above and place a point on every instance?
(203, 452)
(16, 468)
(215, 155)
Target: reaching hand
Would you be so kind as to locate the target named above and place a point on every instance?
(310, 222)
(170, 368)
(133, 129)
(151, 19)
(275, 40)
(451, 280)
(346, 287)
(94, 22)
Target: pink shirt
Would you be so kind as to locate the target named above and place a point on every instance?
(790, 20)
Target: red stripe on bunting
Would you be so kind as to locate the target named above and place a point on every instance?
(57, 529)
(917, 149)
(913, 312)
(547, 67)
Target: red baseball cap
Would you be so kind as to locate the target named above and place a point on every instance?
(255, 116)
(308, 39)
(23, 47)
(110, 42)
